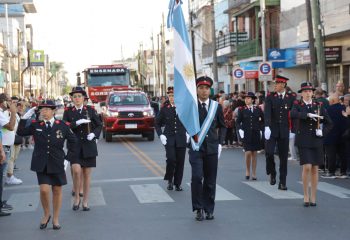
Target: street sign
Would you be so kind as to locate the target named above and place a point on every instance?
(37, 58)
(238, 75)
(265, 71)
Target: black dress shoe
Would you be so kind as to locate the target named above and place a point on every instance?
(178, 188)
(4, 214)
(306, 204)
(73, 193)
(44, 225)
(247, 177)
(209, 216)
(86, 208)
(199, 215)
(170, 186)
(56, 227)
(313, 204)
(81, 195)
(282, 187)
(76, 207)
(272, 179)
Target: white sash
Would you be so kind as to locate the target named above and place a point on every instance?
(205, 126)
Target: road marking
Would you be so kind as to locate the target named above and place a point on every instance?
(150, 193)
(142, 160)
(95, 197)
(116, 180)
(333, 190)
(272, 191)
(24, 202)
(147, 158)
(222, 194)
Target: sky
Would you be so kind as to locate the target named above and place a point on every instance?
(81, 33)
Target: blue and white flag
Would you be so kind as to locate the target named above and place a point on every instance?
(185, 94)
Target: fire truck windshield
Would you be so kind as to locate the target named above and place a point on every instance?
(108, 80)
(128, 99)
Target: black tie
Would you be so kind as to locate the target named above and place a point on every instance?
(204, 108)
(79, 111)
(48, 126)
(281, 96)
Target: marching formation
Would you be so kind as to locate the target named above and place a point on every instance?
(257, 124)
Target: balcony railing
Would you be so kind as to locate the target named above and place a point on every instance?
(249, 49)
(231, 39)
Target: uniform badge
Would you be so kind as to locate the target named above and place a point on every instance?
(286, 107)
(59, 134)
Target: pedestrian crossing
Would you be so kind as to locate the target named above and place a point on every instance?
(156, 193)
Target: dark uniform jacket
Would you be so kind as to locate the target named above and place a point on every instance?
(276, 113)
(48, 149)
(250, 122)
(72, 115)
(213, 139)
(173, 128)
(305, 127)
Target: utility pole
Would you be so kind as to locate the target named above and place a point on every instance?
(311, 44)
(215, 63)
(9, 89)
(190, 14)
(19, 37)
(321, 61)
(163, 60)
(154, 69)
(263, 36)
(158, 63)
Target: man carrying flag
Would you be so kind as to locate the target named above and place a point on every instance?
(200, 116)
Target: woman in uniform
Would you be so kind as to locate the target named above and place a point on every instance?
(87, 126)
(250, 122)
(312, 123)
(48, 157)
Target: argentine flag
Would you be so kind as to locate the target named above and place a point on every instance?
(185, 94)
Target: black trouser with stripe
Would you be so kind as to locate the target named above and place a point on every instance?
(174, 164)
(283, 146)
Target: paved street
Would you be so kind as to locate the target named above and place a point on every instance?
(129, 200)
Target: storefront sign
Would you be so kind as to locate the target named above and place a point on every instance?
(333, 54)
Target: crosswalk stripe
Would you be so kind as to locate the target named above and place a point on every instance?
(95, 197)
(24, 202)
(272, 191)
(150, 193)
(333, 190)
(222, 194)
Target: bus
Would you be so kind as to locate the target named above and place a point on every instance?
(101, 79)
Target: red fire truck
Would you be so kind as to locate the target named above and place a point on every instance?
(102, 79)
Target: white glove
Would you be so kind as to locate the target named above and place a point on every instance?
(29, 113)
(291, 135)
(82, 121)
(163, 139)
(267, 133)
(241, 133)
(319, 133)
(219, 150)
(187, 138)
(90, 136)
(314, 116)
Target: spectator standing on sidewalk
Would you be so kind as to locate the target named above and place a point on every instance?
(15, 149)
(7, 123)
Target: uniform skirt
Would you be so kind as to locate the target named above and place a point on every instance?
(56, 179)
(84, 162)
(253, 142)
(313, 156)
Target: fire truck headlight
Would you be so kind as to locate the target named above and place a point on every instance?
(148, 113)
(112, 114)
